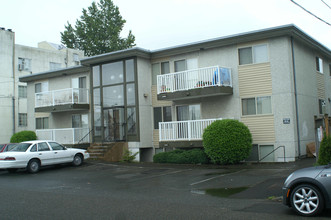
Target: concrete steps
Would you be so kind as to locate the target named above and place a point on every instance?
(112, 152)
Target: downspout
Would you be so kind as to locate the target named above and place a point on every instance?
(295, 96)
(14, 85)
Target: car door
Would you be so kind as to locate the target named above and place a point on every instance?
(60, 153)
(45, 154)
(325, 179)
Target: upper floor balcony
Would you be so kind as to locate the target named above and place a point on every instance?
(208, 81)
(62, 100)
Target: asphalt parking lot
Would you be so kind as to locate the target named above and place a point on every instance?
(100, 190)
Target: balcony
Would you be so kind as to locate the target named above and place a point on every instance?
(184, 132)
(62, 100)
(195, 83)
(65, 135)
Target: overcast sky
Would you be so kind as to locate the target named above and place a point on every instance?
(158, 24)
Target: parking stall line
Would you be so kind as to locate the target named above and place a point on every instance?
(163, 174)
(215, 177)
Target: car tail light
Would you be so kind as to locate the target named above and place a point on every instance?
(10, 158)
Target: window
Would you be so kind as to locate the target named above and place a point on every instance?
(41, 87)
(155, 72)
(254, 54)
(130, 94)
(256, 106)
(33, 148)
(330, 69)
(96, 76)
(188, 112)
(161, 114)
(165, 68)
(113, 96)
(159, 68)
(79, 82)
(157, 116)
(42, 123)
(24, 64)
(22, 91)
(80, 121)
(54, 66)
(112, 73)
(132, 121)
(56, 146)
(167, 113)
(129, 70)
(43, 146)
(321, 106)
(319, 64)
(75, 57)
(22, 119)
(180, 65)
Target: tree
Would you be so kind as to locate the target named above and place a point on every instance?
(98, 30)
(23, 136)
(227, 141)
(324, 156)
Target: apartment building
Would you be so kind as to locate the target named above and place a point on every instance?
(17, 61)
(277, 81)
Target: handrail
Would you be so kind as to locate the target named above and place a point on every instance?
(88, 133)
(272, 152)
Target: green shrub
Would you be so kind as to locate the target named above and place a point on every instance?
(23, 136)
(128, 156)
(324, 156)
(195, 156)
(227, 141)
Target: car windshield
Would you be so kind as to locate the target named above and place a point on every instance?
(22, 147)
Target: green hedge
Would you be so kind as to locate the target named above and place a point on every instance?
(227, 141)
(23, 136)
(195, 156)
(324, 156)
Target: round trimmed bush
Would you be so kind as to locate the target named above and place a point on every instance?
(227, 141)
(23, 136)
(324, 156)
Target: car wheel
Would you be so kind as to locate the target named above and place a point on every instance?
(12, 170)
(78, 160)
(307, 200)
(33, 166)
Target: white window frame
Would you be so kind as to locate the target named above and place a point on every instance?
(22, 89)
(253, 56)
(24, 64)
(256, 110)
(191, 104)
(319, 64)
(22, 119)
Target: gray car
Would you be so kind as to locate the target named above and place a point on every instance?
(308, 191)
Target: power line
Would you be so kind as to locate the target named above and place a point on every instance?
(311, 13)
(326, 4)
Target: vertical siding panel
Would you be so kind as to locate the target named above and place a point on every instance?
(320, 86)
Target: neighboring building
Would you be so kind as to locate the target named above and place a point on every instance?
(17, 61)
(276, 81)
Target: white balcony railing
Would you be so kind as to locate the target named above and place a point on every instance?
(61, 97)
(191, 79)
(65, 135)
(183, 130)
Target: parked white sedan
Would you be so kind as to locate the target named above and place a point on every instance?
(34, 154)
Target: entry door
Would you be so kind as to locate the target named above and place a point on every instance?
(114, 124)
